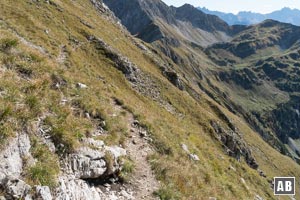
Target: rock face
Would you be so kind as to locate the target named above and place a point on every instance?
(121, 62)
(201, 20)
(245, 78)
(174, 78)
(92, 163)
(43, 193)
(234, 144)
(137, 16)
(11, 158)
(72, 188)
(11, 167)
(15, 188)
(88, 163)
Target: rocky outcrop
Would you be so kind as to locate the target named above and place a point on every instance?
(245, 78)
(91, 161)
(285, 120)
(191, 155)
(121, 62)
(89, 164)
(72, 188)
(137, 18)
(174, 78)
(234, 144)
(77, 189)
(43, 193)
(15, 188)
(104, 10)
(139, 80)
(12, 167)
(11, 164)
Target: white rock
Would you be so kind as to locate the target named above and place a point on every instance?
(232, 168)
(185, 148)
(16, 188)
(126, 194)
(116, 151)
(95, 143)
(75, 189)
(12, 157)
(194, 157)
(91, 153)
(81, 86)
(24, 145)
(88, 164)
(43, 193)
(113, 197)
(257, 197)
(28, 197)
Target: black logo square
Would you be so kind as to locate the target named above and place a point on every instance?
(284, 186)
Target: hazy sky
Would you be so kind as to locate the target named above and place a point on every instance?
(261, 6)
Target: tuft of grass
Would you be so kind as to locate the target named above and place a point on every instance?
(5, 113)
(42, 174)
(46, 169)
(6, 127)
(63, 140)
(166, 193)
(127, 169)
(109, 159)
(33, 103)
(7, 44)
(5, 132)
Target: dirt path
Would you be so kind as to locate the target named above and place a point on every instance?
(143, 179)
(62, 55)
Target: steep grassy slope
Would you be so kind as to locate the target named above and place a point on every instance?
(260, 74)
(48, 48)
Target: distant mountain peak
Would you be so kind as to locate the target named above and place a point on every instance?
(286, 15)
(152, 20)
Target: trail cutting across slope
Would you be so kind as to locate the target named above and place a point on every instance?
(143, 180)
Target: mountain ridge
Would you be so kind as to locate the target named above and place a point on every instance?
(286, 15)
(211, 29)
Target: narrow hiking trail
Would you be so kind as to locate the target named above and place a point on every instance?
(143, 181)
